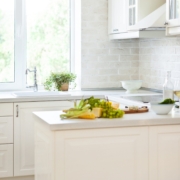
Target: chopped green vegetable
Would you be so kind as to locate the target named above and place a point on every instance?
(168, 101)
(78, 110)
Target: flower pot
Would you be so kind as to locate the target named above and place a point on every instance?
(64, 87)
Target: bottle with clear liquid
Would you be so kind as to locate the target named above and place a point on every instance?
(168, 87)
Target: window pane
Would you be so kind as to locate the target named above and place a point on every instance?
(130, 2)
(6, 41)
(48, 46)
(177, 8)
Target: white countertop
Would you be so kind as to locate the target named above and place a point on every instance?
(8, 97)
(52, 119)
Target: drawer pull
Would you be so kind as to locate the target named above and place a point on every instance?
(17, 111)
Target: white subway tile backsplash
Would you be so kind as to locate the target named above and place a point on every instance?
(108, 58)
(105, 63)
(121, 51)
(129, 57)
(113, 78)
(163, 56)
(135, 51)
(109, 71)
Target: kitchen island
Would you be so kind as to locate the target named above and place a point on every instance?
(16, 120)
(137, 146)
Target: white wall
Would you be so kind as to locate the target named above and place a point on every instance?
(156, 56)
(104, 63)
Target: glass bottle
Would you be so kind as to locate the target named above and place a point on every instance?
(168, 87)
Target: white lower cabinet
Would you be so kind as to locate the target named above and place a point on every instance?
(134, 153)
(6, 130)
(109, 154)
(6, 159)
(24, 133)
(101, 154)
(164, 152)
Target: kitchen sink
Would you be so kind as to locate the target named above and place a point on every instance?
(40, 94)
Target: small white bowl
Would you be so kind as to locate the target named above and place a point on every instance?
(131, 85)
(161, 109)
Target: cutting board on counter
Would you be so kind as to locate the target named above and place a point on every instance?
(140, 110)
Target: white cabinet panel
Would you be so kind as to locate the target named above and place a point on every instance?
(117, 16)
(44, 152)
(6, 160)
(24, 133)
(118, 154)
(164, 157)
(172, 17)
(6, 130)
(6, 109)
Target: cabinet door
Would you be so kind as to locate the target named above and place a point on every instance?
(117, 18)
(164, 157)
(6, 160)
(172, 17)
(24, 133)
(6, 130)
(102, 154)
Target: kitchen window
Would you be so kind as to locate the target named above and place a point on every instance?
(33, 33)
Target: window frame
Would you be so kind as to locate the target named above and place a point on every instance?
(20, 45)
(19, 48)
(76, 41)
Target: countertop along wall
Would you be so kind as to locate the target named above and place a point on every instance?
(104, 63)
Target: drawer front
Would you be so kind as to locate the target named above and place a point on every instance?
(6, 130)
(6, 160)
(6, 109)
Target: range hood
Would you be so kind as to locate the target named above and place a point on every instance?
(154, 21)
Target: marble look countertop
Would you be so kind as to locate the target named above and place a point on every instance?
(52, 119)
(73, 95)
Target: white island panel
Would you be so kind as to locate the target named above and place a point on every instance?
(118, 153)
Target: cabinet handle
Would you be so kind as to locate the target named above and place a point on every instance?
(166, 23)
(17, 111)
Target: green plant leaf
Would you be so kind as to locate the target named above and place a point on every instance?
(56, 80)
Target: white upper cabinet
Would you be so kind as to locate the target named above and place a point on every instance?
(145, 14)
(117, 16)
(139, 9)
(172, 17)
(127, 18)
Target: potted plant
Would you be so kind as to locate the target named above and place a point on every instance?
(59, 81)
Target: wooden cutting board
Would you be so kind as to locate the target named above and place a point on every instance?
(140, 110)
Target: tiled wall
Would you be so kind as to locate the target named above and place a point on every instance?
(156, 56)
(104, 63)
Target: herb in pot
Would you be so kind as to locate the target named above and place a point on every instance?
(59, 81)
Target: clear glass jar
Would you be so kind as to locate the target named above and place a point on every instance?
(168, 87)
